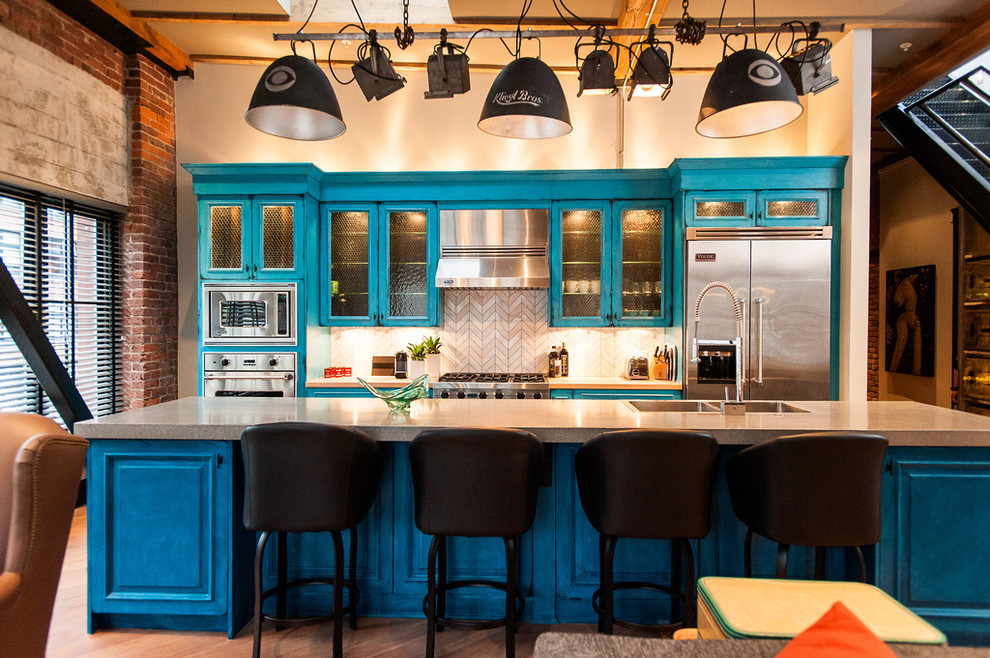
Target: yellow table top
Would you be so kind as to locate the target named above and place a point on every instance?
(766, 608)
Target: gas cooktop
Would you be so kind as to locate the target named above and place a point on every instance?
(496, 385)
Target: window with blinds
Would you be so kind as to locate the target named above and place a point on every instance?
(64, 256)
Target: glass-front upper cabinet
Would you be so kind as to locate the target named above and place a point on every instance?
(251, 238)
(640, 277)
(610, 264)
(346, 282)
(760, 208)
(376, 265)
(578, 297)
(406, 295)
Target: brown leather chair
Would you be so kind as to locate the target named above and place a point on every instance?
(40, 468)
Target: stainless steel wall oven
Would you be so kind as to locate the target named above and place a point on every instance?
(249, 313)
(242, 374)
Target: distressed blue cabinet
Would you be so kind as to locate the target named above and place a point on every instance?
(613, 394)
(161, 549)
(756, 208)
(935, 544)
(251, 237)
(376, 263)
(611, 264)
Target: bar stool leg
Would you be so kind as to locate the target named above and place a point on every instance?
(442, 582)
(353, 594)
(690, 586)
(601, 572)
(675, 579)
(782, 551)
(282, 548)
(338, 594)
(748, 553)
(510, 596)
(607, 597)
(819, 563)
(862, 564)
(259, 555)
(431, 596)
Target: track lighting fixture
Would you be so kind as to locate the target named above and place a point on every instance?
(651, 74)
(374, 72)
(447, 73)
(597, 75)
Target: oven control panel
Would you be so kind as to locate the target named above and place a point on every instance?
(242, 361)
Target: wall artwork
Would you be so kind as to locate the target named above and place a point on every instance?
(910, 320)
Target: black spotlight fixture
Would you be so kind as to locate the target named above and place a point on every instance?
(749, 93)
(809, 66)
(597, 76)
(526, 101)
(374, 72)
(294, 99)
(651, 76)
(447, 73)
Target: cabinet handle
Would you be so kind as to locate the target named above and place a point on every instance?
(219, 460)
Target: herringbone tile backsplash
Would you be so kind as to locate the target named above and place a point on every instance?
(499, 331)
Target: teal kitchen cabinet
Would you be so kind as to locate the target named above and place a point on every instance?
(251, 237)
(375, 265)
(934, 542)
(611, 264)
(165, 536)
(756, 208)
(613, 394)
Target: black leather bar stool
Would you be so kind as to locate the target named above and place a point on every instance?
(307, 477)
(473, 482)
(820, 489)
(647, 484)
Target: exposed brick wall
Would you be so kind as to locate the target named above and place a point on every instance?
(874, 365)
(148, 235)
(150, 266)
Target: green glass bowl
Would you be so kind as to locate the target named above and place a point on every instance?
(398, 401)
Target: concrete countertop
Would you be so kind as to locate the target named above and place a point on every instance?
(554, 421)
(617, 383)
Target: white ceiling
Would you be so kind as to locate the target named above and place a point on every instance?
(210, 38)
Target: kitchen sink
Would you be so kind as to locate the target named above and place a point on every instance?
(712, 406)
(672, 406)
(767, 407)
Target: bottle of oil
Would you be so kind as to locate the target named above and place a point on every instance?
(564, 365)
(553, 363)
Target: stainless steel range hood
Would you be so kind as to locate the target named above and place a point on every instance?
(494, 249)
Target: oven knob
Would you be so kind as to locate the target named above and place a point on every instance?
(482, 395)
(273, 362)
(520, 395)
(445, 394)
(461, 395)
(537, 396)
(499, 395)
(224, 362)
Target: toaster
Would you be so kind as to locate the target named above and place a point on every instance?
(637, 367)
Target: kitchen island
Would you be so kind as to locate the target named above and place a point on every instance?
(167, 549)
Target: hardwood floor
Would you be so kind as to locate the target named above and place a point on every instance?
(374, 637)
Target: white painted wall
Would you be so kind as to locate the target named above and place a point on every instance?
(405, 132)
(914, 215)
(60, 127)
(839, 124)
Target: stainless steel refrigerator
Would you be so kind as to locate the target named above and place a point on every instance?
(782, 279)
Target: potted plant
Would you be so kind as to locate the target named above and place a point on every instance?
(417, 359)
(434, 362)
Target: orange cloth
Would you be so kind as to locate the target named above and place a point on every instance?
(838, 634)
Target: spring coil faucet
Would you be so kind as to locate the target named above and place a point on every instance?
(737, 309)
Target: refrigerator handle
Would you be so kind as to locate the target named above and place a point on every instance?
(744, 352)
(759, 339)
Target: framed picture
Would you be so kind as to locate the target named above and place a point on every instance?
(910, 321)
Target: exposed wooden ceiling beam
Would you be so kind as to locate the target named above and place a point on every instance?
(209, 17)
(635, 14)
(117, 25)
(954, 47)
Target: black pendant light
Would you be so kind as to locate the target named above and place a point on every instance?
(294, 99)
(748, 94)
(526, 101)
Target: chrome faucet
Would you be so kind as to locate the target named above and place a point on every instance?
(737, 309)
